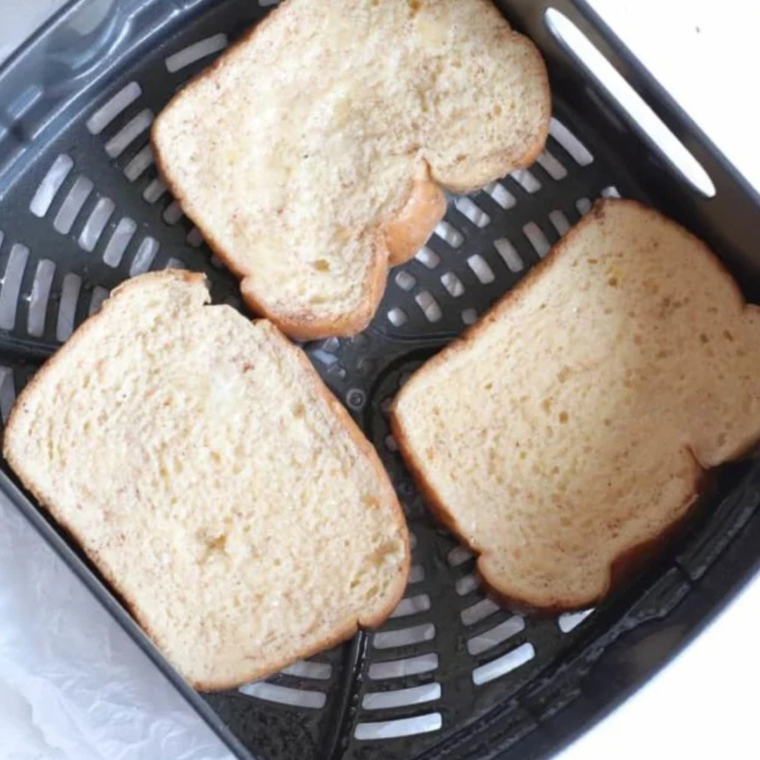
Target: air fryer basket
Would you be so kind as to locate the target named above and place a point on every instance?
(450, 675)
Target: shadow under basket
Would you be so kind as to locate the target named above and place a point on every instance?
(451, 674)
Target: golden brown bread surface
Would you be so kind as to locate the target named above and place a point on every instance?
(202, 465)
(570, 427)
(312, 154)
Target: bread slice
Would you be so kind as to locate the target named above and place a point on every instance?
(312, 155)
(204, 468)
(567, 431)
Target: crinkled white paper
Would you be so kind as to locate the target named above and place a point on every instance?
(73, 685)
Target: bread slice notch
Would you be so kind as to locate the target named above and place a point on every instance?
(312, 154)
(568, 430)
(203, 467)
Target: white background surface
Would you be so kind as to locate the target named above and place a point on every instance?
(60, 653)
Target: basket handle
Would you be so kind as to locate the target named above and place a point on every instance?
(734, 211)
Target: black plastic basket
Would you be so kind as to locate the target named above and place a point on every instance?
(451, 675)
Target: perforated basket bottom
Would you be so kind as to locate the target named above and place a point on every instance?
(450, 665)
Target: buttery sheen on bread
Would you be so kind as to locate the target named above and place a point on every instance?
(201, 464)
(570, 427)
(313, 154)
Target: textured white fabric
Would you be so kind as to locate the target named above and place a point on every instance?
(73, 685)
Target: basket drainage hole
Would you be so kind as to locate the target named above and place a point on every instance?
(509, 255)
(583, 205)
(501, 195)
(139, 163)
(71, 207)
(38, 300)
(466, 584)
(99, 294)
(571, 620)
(50, 185)
(404, 637)
(405, 280)
(478, 611)
(429, 306)
(108, 112)
(416, 695)
(412, 606)
(173, 213)
(195, 52)
(411, 666)
(552, 166)
(284, 695)
(397, 317)
(154, 190)
(416, 574)
(119, 241)
(458, 556)
(195, 240)
(572, 145)
(453, 284)
(472, 212)
(526, 180)
(469, 316)
(480, 267)
(449, 234)
(560, 222)
(7, 392)
(660, 138)
(11, 285)
(95, 224)
(511, 627)
(129, 133)
(144, 256)
(319, 671)
(503, 665)
(537, 239)
(393, 729)
(72, 284)
(428, 258)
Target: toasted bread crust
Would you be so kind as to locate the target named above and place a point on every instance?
(390, 500)
(401, 232)
(414, 223)
(631, 559)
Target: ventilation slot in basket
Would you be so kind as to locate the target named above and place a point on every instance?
(404, 637)
(7, 392)
(113, 107)
(71, 207)
(412, 606)
(503, 665)
(283, 695)
(570, 621)
(501, 195)
(11, 285)
(129, 133)
(119, 241)
(196, 52)
(38, 300)
(67, 307)
(478, 611)
(393, 729)
(415, 695)
(410, 666)
(52, 182)
(318, 671)
(497, 635)
(95, 224)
